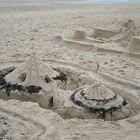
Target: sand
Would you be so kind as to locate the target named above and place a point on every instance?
(29, 26)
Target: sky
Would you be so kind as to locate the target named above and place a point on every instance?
(96, 1)
(102, 1)
(108, 0)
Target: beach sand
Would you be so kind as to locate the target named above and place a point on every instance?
(49, 28)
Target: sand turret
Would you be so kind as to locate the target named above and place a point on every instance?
(30, 81)
(79, 35)
(101, 101)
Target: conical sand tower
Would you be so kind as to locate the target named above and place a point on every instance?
(32, 72)
(101, 101)
(31, 81)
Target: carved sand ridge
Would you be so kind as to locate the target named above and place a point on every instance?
(100, 37)
(103, 33)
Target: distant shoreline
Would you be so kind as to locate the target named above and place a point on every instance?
(59, 2)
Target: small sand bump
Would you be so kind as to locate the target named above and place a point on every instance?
(105, 63)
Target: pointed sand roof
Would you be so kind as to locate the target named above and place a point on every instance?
(97, 98)
(31, 72)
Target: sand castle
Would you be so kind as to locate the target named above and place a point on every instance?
(35, 81)
(61, 95)
(126, 32)
(68, 92)
(124, 41)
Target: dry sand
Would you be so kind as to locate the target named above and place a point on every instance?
(23, 27)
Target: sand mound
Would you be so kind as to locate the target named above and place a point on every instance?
(79, 35)
(58, 38)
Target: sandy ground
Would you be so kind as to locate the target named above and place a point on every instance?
(36, 25)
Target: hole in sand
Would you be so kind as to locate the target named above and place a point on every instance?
(22, 77)
(51, 102)
(47, 79)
